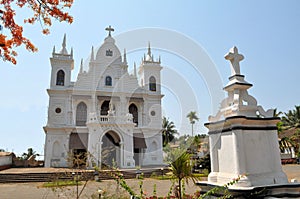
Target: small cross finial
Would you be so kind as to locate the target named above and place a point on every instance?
(234, 57)
(109, 29)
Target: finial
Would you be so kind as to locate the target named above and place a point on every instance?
(53, 52)
(64, 45)
(134, 69)
(144, 57)
(125, 59)
(149, 49)
(234, 57)
(159, 60)
(92, 54)
(109, 29)
(81, 66)
(71, 52)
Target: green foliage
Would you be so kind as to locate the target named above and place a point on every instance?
(154, 191)
(30, 152)
(168, 131)
(181, 168)
(192, 116)
(204, 162)
(61, 183)
(291, 119)
(118, 177)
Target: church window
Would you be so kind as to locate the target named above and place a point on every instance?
(108, 81)
(152, 113)
(134, 111)
(81, 114)
(109, 53)
(105, 107)
(152, 83)
(60, 78)
(58, 110)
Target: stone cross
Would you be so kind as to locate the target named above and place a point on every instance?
(109, 29)
(234, 57)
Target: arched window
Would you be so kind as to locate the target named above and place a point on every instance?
(60, 78)
(152, 83)
(104, 107)
(108, 81)
(134, 111)
(81, 114)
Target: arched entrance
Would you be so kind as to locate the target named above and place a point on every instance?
(134, 111)
(110, 152)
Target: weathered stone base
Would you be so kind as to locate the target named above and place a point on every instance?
(287, 190)
(249, 180)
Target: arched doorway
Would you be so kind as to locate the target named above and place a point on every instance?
(134, 111)
(104, 107)
(110, 151)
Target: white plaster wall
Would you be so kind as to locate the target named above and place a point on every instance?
(59, 159)
(5, 160)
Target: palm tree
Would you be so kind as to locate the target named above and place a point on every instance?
(275, 113)
(291, 119)
(30, 152)
(168, 131)
(181, 168)
(192, 117)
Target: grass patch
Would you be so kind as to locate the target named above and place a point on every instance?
(198, 175)
(170, 177)
(61, 183)
(164, 177)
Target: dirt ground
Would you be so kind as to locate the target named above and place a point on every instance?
(36, 191)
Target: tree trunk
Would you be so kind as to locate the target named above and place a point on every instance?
(179, 184)
(192, 129)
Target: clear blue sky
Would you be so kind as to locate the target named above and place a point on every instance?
(267, 33)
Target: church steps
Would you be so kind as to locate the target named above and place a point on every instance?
(53, 176)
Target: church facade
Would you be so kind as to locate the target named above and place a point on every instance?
(111, 115)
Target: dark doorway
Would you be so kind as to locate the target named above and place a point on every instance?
(110, 153)
(104, 107)
(134, 111)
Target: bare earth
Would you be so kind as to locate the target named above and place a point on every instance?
(35, 190)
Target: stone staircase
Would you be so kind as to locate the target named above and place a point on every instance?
(53, 176)
(40, 177)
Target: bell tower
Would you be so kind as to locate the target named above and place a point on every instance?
(62, 64)
(149, 73)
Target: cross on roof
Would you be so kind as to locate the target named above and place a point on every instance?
(234, 57)
(109, 29)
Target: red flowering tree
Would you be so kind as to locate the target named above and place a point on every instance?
(44, 11)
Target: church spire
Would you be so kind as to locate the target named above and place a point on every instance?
(64, 45)
(149, 49)
(92, 54)
(149, 57)
(81, 66)
(53, 51)
(125, 59)
(134, 69)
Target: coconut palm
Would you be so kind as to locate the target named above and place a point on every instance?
(30, 152)
(193, 118)
(181, 169)
(291, 119)
(168, 131)
(276, 114)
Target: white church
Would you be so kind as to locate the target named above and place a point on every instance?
(108, 113)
